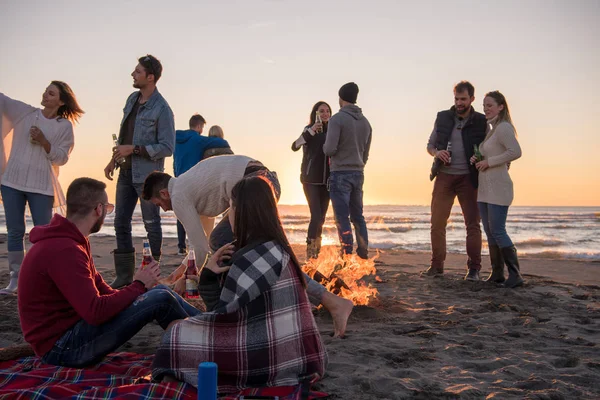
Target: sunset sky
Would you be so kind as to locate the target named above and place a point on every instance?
(257, 67)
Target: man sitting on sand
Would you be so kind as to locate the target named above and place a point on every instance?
(69, 315)
(205, 190)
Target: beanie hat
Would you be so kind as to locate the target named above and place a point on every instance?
(349, 92)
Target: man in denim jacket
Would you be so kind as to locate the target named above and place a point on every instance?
(146, 137)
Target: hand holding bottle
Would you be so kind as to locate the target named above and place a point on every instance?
(443, 155)
(317, 127)
(36, 136)
(148, 275)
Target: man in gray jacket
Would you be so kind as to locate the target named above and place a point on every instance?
(347, 144)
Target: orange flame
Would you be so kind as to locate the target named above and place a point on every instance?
(342, 275)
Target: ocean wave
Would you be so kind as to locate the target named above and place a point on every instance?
(539, 242)
(383, 245)
(392, 229)
(590, 256)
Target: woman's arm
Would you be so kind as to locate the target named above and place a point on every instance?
(14, 110)
(307, 134)
(58, 153)
(506, 136)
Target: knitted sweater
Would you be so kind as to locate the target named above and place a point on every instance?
(205, 189)
(499, 148)
(28, 166)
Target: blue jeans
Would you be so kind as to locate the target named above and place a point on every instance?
(493, 218)
(85, 344)
(14, 201)
(181, 236)
(128, 194)
(345, 191)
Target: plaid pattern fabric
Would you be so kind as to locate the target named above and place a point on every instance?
(118, 376)
(262, 334)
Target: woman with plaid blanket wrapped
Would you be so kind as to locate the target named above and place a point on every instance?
(263, 332)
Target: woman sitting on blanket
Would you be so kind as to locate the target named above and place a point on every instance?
(262, 332)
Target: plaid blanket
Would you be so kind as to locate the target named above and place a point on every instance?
(262, 333)
(118, 376)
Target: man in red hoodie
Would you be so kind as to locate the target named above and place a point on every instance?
(69, 315)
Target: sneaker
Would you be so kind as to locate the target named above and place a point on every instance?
(182, 252)
(472, 275)
(432, 272)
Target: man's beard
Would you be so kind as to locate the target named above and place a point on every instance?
(98, 225)
(463, 111)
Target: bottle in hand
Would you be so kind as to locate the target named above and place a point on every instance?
(31, 140)
(449, 150)
(116, 143)
(318, 120)
(146, 254)
(191, 284)
(477, 153)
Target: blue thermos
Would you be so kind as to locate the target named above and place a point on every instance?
(207, 381)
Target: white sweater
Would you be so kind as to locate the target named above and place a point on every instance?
(28, 167)
(499, 148)
(205, 189)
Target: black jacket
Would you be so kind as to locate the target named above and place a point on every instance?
(473, 133)
(315, 164)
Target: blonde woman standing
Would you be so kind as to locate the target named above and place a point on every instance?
(495, 193)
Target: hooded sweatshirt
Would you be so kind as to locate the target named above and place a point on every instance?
(189, 148)
(348, 139)
(59, 286)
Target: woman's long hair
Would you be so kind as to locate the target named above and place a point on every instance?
(256, 216)
(504, 115)
(70, 110)
(313, 113)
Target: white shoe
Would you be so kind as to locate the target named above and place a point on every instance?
(11, 289)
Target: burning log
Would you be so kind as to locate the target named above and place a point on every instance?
(342, 275)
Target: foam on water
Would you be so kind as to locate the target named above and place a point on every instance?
(569, 232)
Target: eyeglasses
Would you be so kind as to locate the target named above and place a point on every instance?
(108, 207)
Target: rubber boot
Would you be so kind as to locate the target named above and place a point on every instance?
(311, 249)
(514, 271)
(15, 259)
(318, 246)
(124, 267)
(497, 261)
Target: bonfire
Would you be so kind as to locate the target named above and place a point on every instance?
(343, 275)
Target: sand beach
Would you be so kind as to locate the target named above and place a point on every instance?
(441, 338)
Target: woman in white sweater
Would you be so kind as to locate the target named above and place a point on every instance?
(41, 141)
(495, 192)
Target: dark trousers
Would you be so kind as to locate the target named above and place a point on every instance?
(317, 197)
(128, 194)
(181, 236)
(446, 188)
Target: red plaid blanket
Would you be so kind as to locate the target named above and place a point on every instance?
(118, 376)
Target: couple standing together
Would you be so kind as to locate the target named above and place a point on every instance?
(335, 151)
(479, 179)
